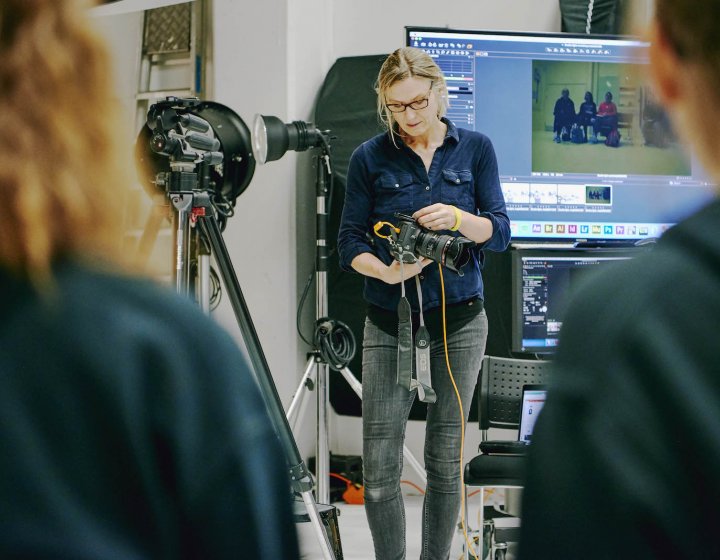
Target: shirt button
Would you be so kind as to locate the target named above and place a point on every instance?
(427, 188)
(421, 277)
(457, 180)
(397, 185)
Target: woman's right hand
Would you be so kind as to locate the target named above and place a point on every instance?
(392, 272)
(369, 265)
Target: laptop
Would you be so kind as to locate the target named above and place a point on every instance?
(533, 399)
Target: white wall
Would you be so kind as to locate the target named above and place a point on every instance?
(377, 26)
(272, 60)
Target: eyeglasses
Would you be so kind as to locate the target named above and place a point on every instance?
(414, 105)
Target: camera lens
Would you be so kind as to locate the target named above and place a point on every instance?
(453, 252)
(457, 253)
(431, 245)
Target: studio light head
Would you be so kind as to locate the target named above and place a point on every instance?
(192, 131)
(271, 138)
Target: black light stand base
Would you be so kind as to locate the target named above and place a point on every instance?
(329, 518)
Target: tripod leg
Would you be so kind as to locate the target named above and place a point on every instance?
(299, 475)
(203, 285)
(352, 381)
(322, 466)
(181, 240)
(409, 457)
(297, 406)
(321, 531)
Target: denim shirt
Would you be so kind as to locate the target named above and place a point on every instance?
(384, 179)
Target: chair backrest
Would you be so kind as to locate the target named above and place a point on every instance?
(500, 389)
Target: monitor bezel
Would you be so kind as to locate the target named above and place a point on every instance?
(543, 34)
(517, 255)
(588, 238)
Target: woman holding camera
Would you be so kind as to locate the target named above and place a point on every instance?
(446, 178)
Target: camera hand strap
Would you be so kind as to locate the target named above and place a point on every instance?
(404, 361)
(422, 356)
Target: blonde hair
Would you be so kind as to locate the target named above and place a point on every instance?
(408, 62)
(62, 167)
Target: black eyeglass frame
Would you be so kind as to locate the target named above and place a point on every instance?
(416, 105)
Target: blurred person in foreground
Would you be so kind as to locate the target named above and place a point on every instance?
(130, 424)
(626, 457)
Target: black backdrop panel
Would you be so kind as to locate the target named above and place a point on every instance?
(346, 106)
(604, 16)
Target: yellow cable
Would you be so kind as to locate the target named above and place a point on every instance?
(471, 548)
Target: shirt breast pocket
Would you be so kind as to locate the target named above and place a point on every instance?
(458, 189)
(394, 193)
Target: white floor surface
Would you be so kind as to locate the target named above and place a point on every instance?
(355, 533)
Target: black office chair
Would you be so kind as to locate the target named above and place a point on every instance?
(500, 463)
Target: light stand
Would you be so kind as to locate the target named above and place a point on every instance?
(271, 138)
(194, 223)
(322, 470)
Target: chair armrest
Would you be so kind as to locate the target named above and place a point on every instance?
(500, 447)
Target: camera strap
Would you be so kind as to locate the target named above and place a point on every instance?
(422, 356)
(404, 359)
(421, 347)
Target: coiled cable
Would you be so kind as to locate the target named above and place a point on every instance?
(335, 342)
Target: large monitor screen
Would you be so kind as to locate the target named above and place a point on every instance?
(543, 281)
(584, 151)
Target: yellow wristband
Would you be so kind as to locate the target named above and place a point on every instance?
(458, 219)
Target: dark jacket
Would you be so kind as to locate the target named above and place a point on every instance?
(626, 454)
(130, 428)
(384, 179)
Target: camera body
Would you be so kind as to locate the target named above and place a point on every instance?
(181, 135)
(413, 240)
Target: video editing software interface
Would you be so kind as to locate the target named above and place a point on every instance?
(543, 282)
(560, 186)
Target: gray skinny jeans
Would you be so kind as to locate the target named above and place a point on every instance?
(385, 410)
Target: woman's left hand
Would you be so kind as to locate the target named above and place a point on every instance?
(436, 217)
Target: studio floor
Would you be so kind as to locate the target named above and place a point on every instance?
(355, 533)
(631, 157)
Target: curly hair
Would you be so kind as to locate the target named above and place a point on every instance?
(62, 171)
(408, 62)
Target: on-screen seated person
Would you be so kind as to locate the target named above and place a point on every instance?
(606, 119)
(564, 116)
